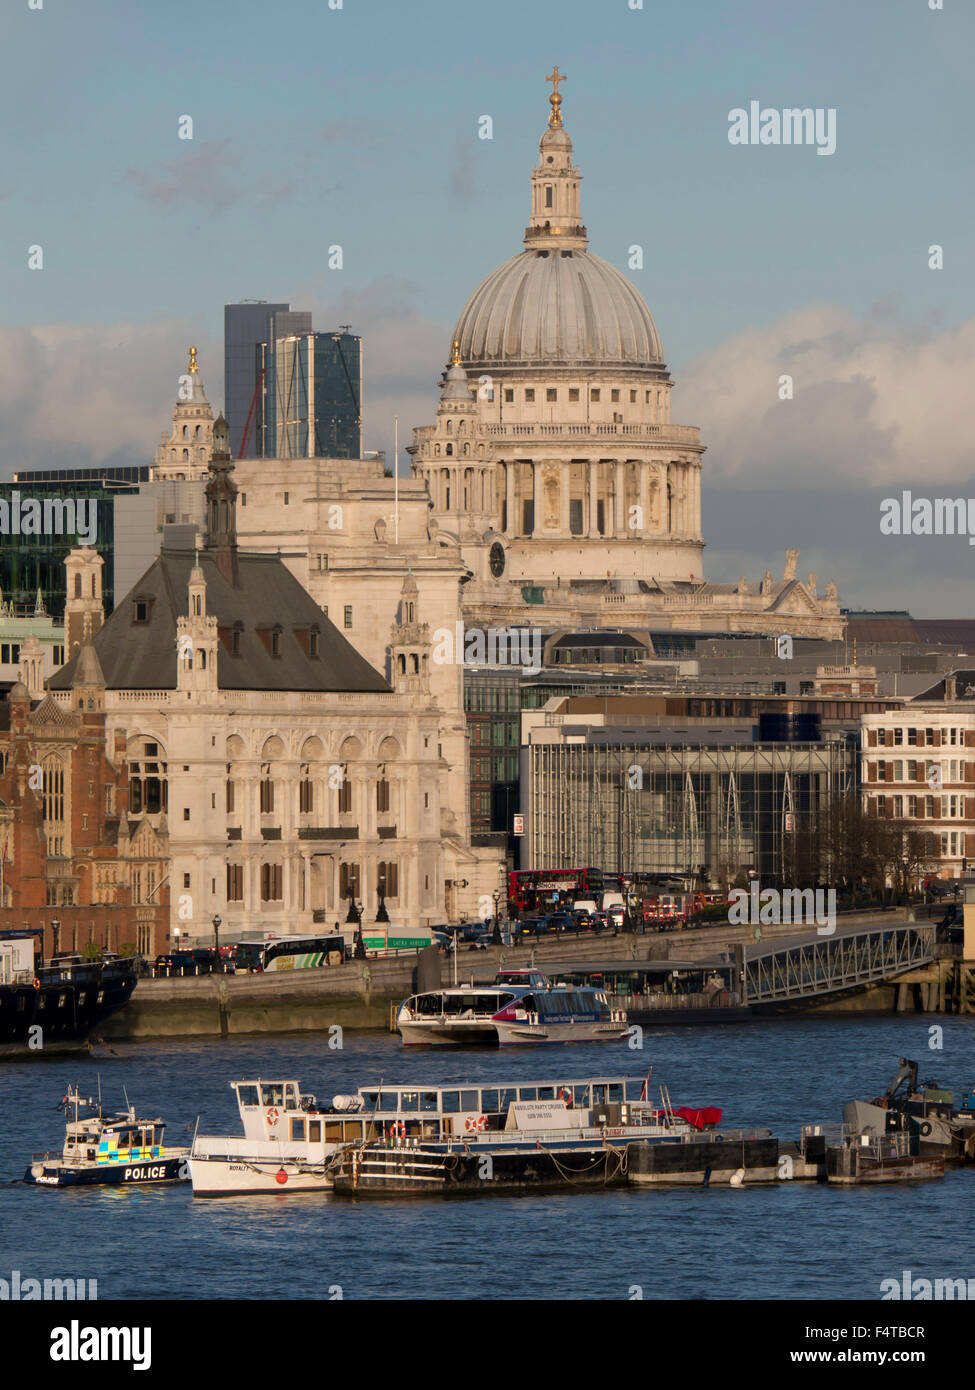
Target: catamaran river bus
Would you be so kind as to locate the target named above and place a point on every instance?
(507, 1012)
(411, 1139)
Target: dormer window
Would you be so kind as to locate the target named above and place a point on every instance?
(141, 610)
(313, 644)
(275, 641)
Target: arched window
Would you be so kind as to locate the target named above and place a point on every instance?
(185, 431)
(197, 605)
(415, 664)
(450, 450)
(186, 455)
(203, 660)
(402, 664)
(77, 586)
(196, 432)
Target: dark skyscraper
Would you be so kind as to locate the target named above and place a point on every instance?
(312, 398)
(246, 327)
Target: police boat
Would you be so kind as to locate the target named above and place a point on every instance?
(118, 1150)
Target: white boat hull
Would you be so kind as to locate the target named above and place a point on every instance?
(454, 1032)
(239, 1177)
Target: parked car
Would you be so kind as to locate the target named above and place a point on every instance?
(561, 921)
(176, 963)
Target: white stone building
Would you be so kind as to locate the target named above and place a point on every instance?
(918, 766)
(553, 465)
(285, 770)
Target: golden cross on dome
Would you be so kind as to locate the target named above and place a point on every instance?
(555, 77)
(193, 366)
(455, 359)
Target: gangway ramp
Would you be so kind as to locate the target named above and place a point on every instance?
(815, 966)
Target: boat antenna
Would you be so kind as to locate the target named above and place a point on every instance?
(128, 1103)
(99, 1094)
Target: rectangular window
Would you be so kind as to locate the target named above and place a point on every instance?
(614, 395)
(594, 394)
(912, 771)
(881, 772)
(348, 615)
(348, 880)
(929, 738)
(235, 883)
(551, 394)
(271, 882)
(230, 796)
(912, 737)
(573, 393)
(898, 736)
(267, 797)
(509, 394)
(382, 795)
(912, 806)
(287, 499)
(881, 737)
(530, 394)
(897, 772)
(186, 813)
(881, 806)
(306, 797)
(345, 798)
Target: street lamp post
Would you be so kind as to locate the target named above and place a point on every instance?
(216, 936)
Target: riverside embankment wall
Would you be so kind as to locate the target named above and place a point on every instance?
(359, 994)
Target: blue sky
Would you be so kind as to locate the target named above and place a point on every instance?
(358, 127)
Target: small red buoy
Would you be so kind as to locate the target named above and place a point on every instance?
(281, 1176)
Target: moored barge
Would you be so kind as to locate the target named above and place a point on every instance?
(52, 1009)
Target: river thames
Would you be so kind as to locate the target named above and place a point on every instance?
(786, 1241)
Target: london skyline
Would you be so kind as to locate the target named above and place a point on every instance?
(755, 260)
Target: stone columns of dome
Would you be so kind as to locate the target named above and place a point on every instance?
(592, 472)
(643, 498)
(565, 489)
(619, 499)
(509, 509)
(536, 498)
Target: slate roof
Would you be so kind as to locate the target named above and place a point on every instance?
(964, 688)
(142, 656)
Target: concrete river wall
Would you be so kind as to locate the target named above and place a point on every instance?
(360, 994)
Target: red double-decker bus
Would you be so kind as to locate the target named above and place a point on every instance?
(547, 890)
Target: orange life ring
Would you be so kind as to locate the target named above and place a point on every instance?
(474, 1122)
(398, 1127)
(272, 1116)
(37, 983)
(565, 1094)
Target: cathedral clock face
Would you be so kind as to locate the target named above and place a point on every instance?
(497, 559)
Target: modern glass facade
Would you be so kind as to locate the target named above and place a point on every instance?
(312, 399)
(673, 808)
(245, 327)
(31, 562)
(123, 473)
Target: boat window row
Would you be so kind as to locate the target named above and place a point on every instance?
(564, 1004)
(460, 1004)
(280, 1094)
(491, 1100)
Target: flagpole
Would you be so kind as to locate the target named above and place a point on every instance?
(396, 479)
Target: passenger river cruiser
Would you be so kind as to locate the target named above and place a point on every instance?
(293, 1144)
(110, 1150)
(477, 1139)
(286, 1146)
(507, 1012)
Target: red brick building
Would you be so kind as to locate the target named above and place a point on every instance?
(69, 860)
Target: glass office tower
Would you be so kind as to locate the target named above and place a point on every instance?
(312, 399)
(246, 327)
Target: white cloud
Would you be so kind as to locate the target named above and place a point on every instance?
(877, 401)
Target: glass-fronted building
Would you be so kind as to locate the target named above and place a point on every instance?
(34, 560)
(311, 406)
(246, 327)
